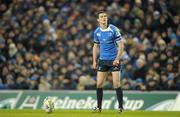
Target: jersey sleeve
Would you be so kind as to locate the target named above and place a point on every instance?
(117, 35)
(96, 40)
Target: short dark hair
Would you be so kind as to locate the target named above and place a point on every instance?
(100, 11)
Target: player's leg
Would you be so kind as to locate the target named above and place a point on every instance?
(101, 76)
(117, 87)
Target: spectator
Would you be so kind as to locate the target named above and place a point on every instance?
(140, 71)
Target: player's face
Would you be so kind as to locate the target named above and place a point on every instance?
(102, 19)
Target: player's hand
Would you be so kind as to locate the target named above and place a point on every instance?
(94, 66)
(116, 62)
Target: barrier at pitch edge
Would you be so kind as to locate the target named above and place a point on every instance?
(160, 101)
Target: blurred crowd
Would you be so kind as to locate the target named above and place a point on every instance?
(47, 44)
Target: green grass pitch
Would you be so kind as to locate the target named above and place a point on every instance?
(85, 113)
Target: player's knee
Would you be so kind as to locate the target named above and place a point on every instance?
(99, 85)
(115, 86)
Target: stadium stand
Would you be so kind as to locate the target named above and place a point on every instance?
(47, 44)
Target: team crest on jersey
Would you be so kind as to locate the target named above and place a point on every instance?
(110, 34)
(98, 34)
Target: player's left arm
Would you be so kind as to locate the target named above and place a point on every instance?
(120, 50)
(120, 46)
(119, 53)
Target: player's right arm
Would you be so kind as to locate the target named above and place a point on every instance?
(95, 55)
(95, 48)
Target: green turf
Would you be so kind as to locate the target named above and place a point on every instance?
(85, 113)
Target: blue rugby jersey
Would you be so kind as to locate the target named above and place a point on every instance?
(107, 39)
